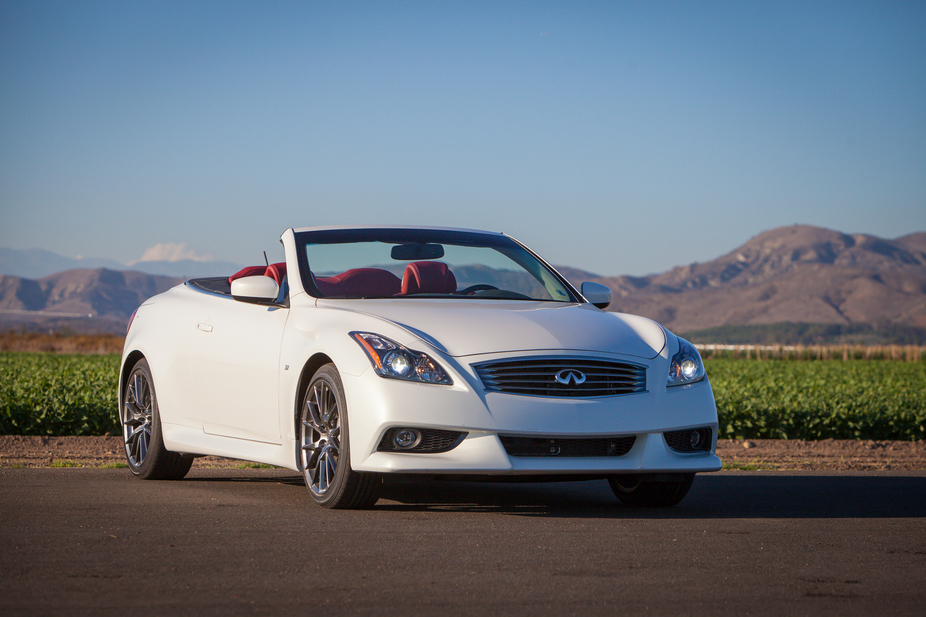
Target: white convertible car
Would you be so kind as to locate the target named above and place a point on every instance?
(390, 350)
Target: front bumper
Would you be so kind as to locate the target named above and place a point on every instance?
(483, 453)
(376, 405)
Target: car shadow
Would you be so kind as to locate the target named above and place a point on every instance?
(779, 495)
(726, 495)
(274, 475)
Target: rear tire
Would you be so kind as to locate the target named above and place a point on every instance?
(650, 493)
(141, 430)
(325, 446)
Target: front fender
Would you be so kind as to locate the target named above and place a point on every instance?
(316, 335)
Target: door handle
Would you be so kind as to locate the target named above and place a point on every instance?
(204, 327)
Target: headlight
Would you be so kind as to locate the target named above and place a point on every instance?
(394, 361)
(686, 366)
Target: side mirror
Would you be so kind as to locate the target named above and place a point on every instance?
(255, 289)
(599, 295)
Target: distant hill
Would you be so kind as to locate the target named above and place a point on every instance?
(97, 300)
(790, 274)
(797, 283)
(38, 263)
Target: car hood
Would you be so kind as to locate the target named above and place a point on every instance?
(469, 327)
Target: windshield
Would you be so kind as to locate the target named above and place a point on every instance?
(415, 263)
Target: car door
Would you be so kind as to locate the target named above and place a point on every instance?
(235, 368)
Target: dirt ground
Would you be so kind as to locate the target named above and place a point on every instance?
(762, 454)
(828, 454)
(31, 451)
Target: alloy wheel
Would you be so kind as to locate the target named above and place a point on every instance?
(137, 417)
(321, 436)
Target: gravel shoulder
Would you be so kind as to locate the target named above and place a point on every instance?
(754, 454)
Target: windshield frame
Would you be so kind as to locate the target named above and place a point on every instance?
(409, 235)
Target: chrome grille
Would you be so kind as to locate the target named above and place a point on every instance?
(578, 377)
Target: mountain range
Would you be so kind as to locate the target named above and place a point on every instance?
(85, 301)
(790, 274)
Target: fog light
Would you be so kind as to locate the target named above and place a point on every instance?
(695, 440)
(406, 438)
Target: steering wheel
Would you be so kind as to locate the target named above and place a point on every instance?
(474, 288)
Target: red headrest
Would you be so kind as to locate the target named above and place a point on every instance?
(428, 277)
(248, 271)
(276, 272)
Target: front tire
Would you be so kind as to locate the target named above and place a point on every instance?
(650, 493)
(141, 430)
(325, 446)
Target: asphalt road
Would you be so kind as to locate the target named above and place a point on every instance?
(230, 541)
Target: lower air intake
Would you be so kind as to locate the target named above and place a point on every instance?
(567, 446)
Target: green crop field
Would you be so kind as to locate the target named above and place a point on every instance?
(58, 394)
(52, 394)
(784, 399)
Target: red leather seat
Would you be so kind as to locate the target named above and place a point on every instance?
(328, 286)
(361, 283)
(428, 277)
(367, 282)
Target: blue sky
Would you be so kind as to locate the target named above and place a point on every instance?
(619, 137)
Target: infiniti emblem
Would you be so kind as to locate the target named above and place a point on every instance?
(570, 376)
